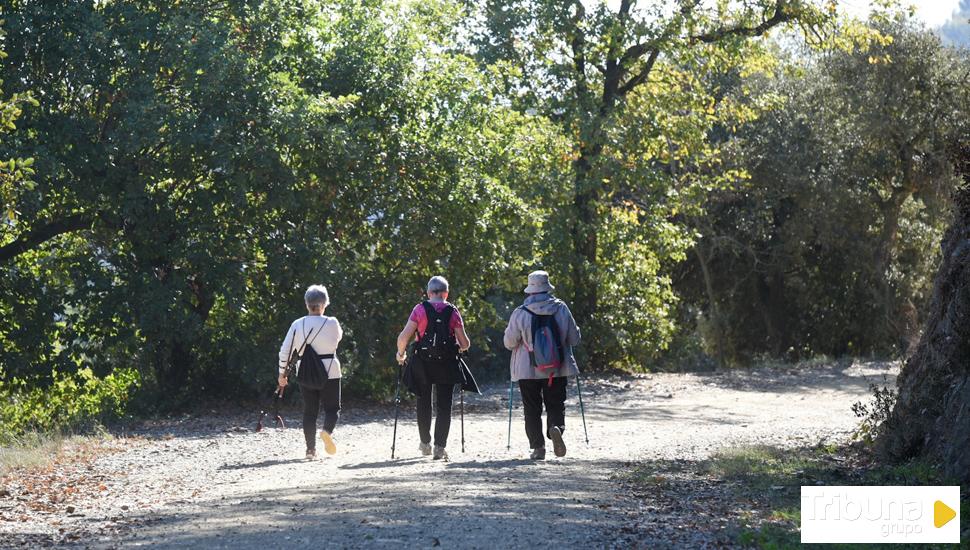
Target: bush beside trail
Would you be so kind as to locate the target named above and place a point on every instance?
(68, 403)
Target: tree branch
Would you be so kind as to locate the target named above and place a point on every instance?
(625, 6)
(578, 46)
(642, 75)
(637, 51)
(779, 16)
(42, 234)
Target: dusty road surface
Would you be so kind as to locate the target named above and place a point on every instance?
(215, 483)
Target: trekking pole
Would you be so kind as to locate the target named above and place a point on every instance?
(277, 398)
(462, 398)
(397, 408)
(508, 445)
(582, 409)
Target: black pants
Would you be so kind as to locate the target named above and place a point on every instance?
(330, 396)
(443, 394)
(535, 393)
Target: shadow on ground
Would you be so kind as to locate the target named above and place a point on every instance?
(838, 376)
(498, 507)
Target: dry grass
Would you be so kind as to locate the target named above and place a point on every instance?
(35, 451)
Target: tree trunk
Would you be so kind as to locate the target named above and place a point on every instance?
(586, 226)
(715, 318)
(882, 262)
(585, 241)
(931, 417)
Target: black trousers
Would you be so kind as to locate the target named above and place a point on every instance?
(330, 397)
(442, 424)
(535, 393)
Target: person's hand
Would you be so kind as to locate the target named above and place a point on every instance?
(401, 357)
(282, 381)
(463, 351)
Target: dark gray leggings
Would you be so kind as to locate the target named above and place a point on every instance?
(330, 397)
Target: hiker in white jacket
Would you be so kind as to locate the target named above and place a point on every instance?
(537, 386)
(321, 334)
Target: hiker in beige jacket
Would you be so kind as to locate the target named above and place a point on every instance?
(537, 386)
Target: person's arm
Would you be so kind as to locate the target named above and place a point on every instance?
(286, 348)
(402, 340)
(513, 336)
(339, 331)
(457, 325)
(572, 329)
(463, 342)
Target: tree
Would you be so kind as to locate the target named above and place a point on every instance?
(581, 63)
(827, 248)
(931, 416)
(201, 164)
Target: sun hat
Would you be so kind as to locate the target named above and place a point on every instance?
(538, 282)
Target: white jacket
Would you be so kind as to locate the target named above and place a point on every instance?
(323, 340)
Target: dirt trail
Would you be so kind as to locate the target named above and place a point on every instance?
(216, 483)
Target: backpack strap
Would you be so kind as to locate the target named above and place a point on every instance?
(433, 315)
(291, 365)
(446, 314)
(429, 311)
(307, 336)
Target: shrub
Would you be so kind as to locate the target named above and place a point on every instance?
(873, 415)
(71, 401)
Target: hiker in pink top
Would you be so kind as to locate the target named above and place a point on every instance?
(439, 336)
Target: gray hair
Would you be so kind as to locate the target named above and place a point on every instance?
(438, 284)
(316, 297)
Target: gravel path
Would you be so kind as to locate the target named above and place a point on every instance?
(214, 483)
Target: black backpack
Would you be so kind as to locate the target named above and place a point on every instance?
(438, 343)
(312, 374)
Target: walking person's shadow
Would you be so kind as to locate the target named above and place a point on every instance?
(382, 463)
(261, 464)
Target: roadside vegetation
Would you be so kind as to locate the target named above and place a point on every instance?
(750, 495)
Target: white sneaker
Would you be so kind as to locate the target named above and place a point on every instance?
(425, 449)
(440, 453)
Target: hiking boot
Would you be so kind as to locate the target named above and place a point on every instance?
(558, 445)
(440, 453)
(328, 444)
(425, 449)
(311, 454)
(538, 454)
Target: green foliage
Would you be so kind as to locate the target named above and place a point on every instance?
(69, 402)
(199, 166)
(189, 168)
(830, 246)
(873, 415)
(14, 172)
(628, 85)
